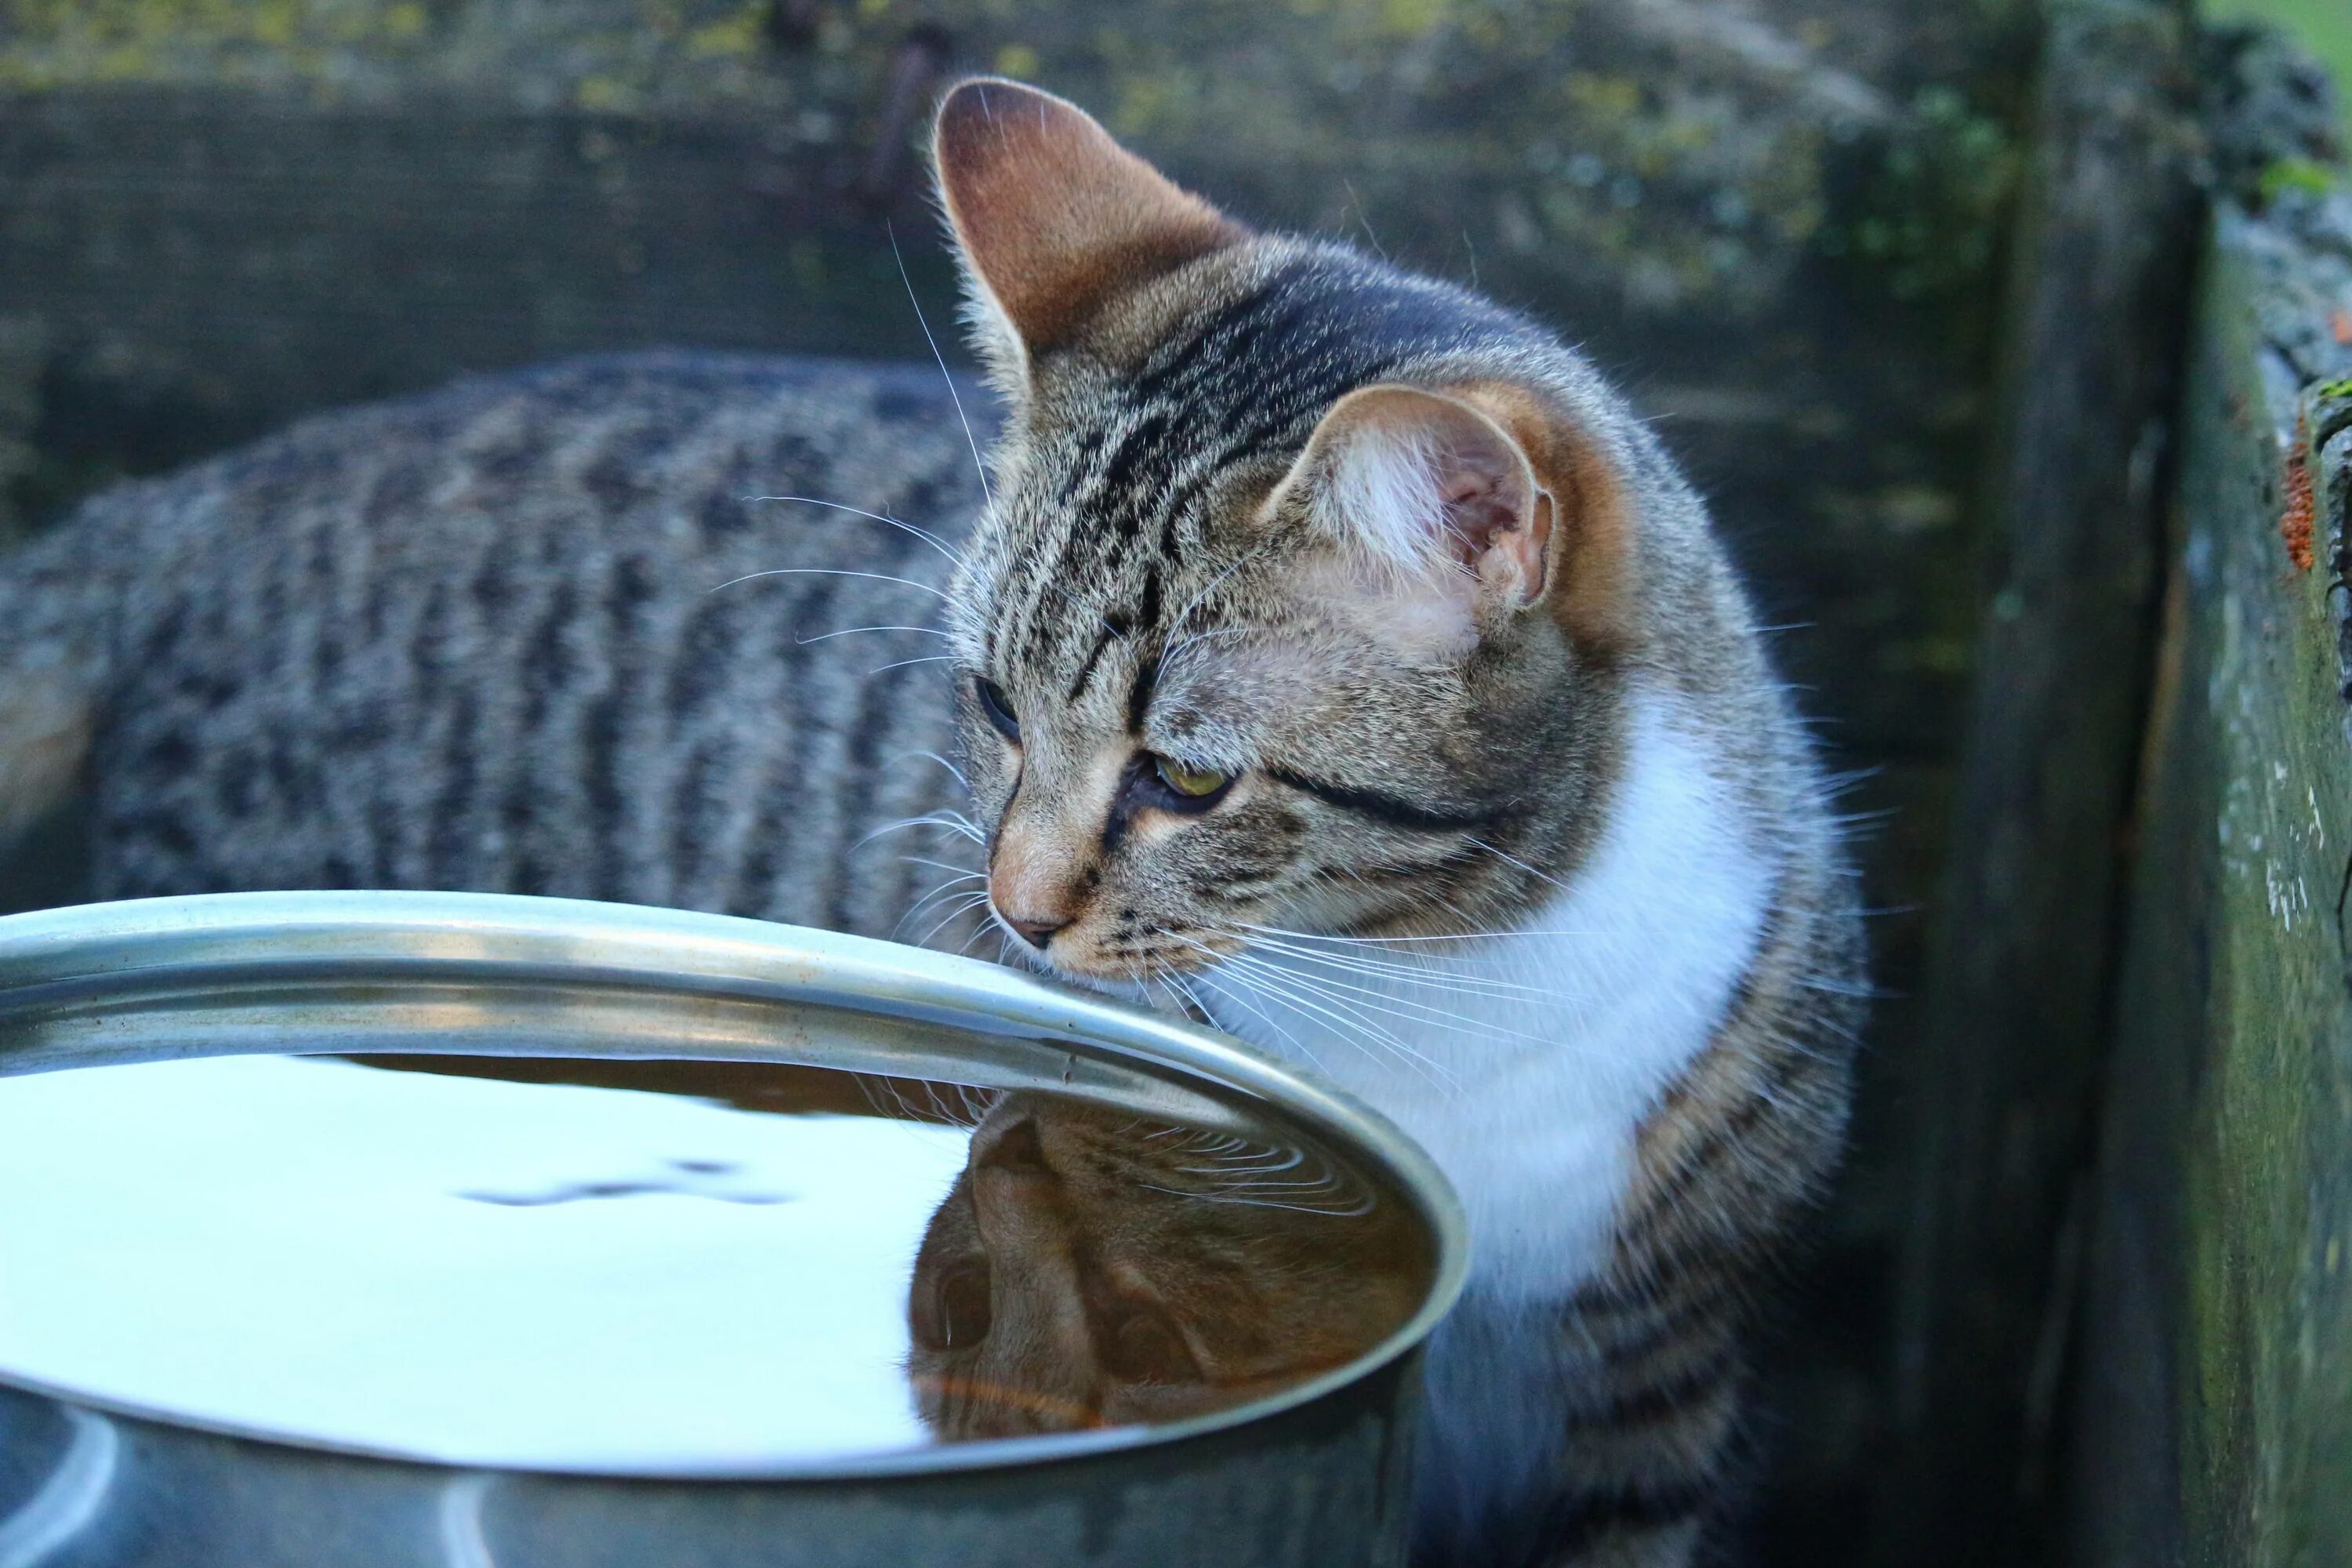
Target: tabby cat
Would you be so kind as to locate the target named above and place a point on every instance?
(1329, 654)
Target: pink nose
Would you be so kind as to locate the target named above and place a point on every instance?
(1036, 933)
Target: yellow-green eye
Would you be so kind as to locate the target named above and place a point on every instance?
(1193, 783)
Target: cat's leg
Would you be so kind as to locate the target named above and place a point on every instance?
(1734, 1154)
(1647, 1455)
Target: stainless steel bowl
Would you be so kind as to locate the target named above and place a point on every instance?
(1318, 1472)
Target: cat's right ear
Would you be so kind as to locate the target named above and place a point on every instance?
(1052, 218)
(1471, 503)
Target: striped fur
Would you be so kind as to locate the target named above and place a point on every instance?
(1554, 883)
(492, 638)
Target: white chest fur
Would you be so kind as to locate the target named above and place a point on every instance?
(1526, 1061)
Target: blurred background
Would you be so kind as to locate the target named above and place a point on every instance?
(1811, 236)
(2322, 27)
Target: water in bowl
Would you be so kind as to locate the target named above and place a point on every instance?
(665, 1268)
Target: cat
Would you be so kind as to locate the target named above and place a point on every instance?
(1089, 1268)
(1330, 655)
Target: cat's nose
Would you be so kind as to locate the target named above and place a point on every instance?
(1036, 933)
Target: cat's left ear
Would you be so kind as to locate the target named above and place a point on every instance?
(1053, 218)
(1431, 489)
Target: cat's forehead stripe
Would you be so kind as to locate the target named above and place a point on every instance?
(1243, 380)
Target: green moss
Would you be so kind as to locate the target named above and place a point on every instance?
(2298, 174)
(615, 54)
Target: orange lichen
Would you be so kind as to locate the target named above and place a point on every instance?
(2340, 323)
(2302, 499)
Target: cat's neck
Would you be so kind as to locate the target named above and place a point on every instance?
(1526, 1061)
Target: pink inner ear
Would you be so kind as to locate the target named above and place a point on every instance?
(1419, 479)
(1477, 509)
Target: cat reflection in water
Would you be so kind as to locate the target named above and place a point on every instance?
(1091, 1269)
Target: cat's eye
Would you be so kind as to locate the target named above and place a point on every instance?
(993, 703)
(1193, 783)
(956, 1313)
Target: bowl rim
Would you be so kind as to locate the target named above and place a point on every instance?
(59, 968)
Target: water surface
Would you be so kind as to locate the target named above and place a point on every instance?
(667, 1267)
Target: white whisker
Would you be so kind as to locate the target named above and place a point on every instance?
(925, 534)
(1510, 860)
(949, 821)
(970, 902)
(1384, 941)
(978, 463)
(953, 771)
(829, 571)
(962, 873)
(852, 631)
(1347, 1017)
(1381, 1001)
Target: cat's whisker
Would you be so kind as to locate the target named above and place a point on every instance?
(970, 902)
(1437, 970)
(903, 663)
(1356, 1213)
(952, 889)
(954, 886)
(1245, 1000)
(925, 534)
(1426, 972)
(954, 772)
(976, 1102)
(953, 822)
(1320, 1179)
(830, 572)
(1451, 936)
(1351, 1018)
(1385, 1002)
(852, 631)
(1348, 1021)
(1200, 1009)
(1510, 860)
(877, 1089)
(1297, 1158)
(978, 463)
(1256, 1179)
(963, 874)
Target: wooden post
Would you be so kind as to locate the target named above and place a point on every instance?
(2020, 971)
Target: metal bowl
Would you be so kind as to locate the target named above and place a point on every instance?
(1317, 1472)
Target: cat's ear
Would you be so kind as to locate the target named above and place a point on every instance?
(1052, 216)
(1432, 489)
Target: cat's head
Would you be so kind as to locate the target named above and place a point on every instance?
(1308, 588)
(1089, 1269)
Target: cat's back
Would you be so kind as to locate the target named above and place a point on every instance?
(506, 636)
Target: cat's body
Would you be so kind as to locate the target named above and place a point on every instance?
(1335, 658)
(493, 638)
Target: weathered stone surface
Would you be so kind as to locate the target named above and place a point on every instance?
(2215, 1392)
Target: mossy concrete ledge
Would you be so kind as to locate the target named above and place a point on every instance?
(2215, 1399)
